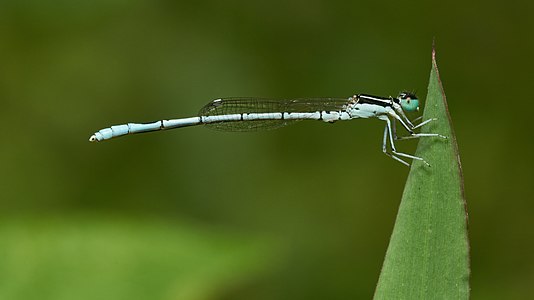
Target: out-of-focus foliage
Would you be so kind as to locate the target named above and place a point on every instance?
(88, 257)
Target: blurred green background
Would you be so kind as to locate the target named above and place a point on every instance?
(304, 212)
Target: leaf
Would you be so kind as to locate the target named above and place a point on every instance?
(428, 254)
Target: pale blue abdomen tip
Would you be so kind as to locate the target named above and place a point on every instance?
(108, 133)
(118, 130)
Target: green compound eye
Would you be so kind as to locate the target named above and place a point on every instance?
(409, 102)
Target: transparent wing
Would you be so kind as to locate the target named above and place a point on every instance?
(259, 105)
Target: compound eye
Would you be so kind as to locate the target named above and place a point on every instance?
(410, 104)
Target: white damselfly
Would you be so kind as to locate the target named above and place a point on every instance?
(249, 114)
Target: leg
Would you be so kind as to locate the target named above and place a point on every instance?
(418, 135)
(385, 150)
(417, 119)
(394, 151)
(412, 134)
(424, 122)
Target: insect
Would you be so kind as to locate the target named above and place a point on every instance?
(249, 114)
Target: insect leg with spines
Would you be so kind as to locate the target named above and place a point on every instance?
(388, 132)
(405, 102)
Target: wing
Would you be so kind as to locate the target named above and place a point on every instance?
(228, 106)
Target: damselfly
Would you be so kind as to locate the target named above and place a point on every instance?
(249, 114)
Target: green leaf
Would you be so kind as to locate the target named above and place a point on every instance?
(428, 254)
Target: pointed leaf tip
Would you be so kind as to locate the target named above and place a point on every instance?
(428, 254)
